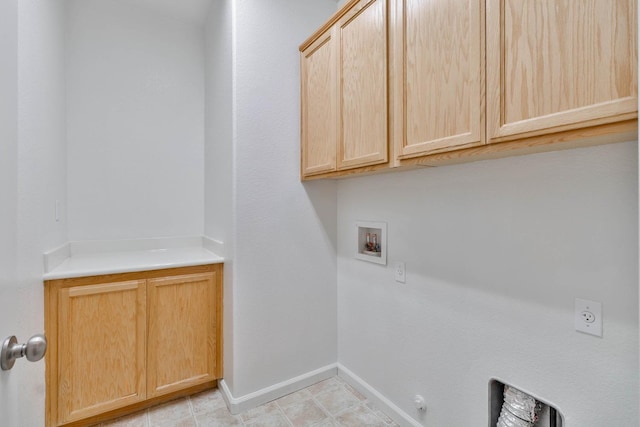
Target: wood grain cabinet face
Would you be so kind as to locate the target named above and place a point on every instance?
(344, 105)
(559, 65)
(362, 35)
(318, 106)
(121, 342)
(453, 81)
(438, 68)
(182, 332)
(101, 348)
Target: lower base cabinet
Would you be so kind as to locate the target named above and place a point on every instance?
(120, 342)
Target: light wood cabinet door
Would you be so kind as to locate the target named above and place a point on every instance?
(318, 106)
(438, 60)
(183, 324)
(101, 348)
(556, 65)
(363, 110)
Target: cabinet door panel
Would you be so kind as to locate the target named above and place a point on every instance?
(182, 332)
(318, 106)
(101, 345)
(438, 68)
(559, 65)
(363, 85)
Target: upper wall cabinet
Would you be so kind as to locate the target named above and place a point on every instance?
(344, 105)
(438, 64)
(452, 81)
(318, 72)
(559, 65)
(362, 35)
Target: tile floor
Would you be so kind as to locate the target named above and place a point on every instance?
(329, 403)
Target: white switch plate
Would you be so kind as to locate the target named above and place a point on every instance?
(588, 317)
(400, 272)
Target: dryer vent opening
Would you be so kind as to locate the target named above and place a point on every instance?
(509, 406)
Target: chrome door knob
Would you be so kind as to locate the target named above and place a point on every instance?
(34, 350)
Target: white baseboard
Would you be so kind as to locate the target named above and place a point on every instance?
(381, 402)
(237, 405)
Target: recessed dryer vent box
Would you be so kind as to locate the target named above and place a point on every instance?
(372, 242)
(549, 416)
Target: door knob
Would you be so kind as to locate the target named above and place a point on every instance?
(33, 350)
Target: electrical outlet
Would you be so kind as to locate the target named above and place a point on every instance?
(588, 317)
(419, 403)
(400, 272)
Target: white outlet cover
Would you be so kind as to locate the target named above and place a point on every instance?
(400, 273)
(588, 317)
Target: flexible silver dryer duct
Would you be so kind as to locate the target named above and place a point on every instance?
(518, 409)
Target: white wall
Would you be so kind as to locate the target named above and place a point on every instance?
(284, 263)
(219, 107)
(136, 122)
(496, 252)
(42, 159)
(10, 382)
(33, 153)
(218, 152)
(8, 140)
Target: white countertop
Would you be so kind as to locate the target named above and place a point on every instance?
(124, 261)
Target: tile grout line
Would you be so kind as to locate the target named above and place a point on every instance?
(343, 387)
(312, 398)
(193, 414)
(362, 403)
(334, 385)
(317, 402)
(283, 414)
(333, 416)
(326, 411)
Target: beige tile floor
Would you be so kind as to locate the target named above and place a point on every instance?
(329, 403)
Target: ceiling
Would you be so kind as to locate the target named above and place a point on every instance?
(186, 10)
